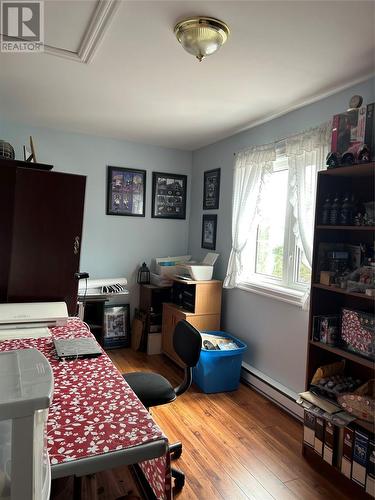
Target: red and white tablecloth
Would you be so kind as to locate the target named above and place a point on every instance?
(94, 411)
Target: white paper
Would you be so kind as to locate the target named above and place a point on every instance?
(24, 333)
(210, 258)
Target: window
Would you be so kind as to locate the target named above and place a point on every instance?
(271, 259)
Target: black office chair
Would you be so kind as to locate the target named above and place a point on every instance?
(155, 390)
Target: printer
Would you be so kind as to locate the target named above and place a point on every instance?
(31, 319)
(26, 391)
(201, 271)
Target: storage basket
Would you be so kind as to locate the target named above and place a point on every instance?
(219, 370)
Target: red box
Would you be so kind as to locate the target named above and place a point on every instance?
(358, 331)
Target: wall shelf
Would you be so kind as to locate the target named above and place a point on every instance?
(359, 170)
(345, 354)
(341, 291)
(346, 228)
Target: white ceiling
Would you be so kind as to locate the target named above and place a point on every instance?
(142, 86)
(65, 22)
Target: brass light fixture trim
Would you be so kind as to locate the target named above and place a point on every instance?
(201, 36)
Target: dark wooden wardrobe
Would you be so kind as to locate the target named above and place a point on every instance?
(41, 215)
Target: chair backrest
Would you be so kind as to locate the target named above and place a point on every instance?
(187, 343)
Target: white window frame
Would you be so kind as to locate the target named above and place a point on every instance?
(286, 289)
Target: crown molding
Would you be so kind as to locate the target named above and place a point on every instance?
(66, 54)
(93, 36)
(97, 28)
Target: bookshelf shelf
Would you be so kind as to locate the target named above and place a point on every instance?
(359, 170)
(368, 363)
(344, 292)
(345, 228)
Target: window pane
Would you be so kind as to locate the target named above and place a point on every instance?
(271, 228)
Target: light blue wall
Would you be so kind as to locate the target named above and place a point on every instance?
(275, 332)
(111, 245)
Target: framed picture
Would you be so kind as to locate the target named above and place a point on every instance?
(211, 189)
(116, 326)
(126, 191)
(209, 225)
(168, 196)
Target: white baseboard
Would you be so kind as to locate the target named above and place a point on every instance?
(272, 390)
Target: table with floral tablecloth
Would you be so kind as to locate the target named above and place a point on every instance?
(94, 411)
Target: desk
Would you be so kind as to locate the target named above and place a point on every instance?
(95, 421)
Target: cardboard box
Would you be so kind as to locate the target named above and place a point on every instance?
(326, 277)
(154, 343)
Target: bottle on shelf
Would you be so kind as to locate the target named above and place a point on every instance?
(345, 218)
(326, 208)
(335, 210)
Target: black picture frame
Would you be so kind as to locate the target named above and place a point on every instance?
(168, 196)
(211, 189)
(116, 326)
(126, 191)
(209, 229)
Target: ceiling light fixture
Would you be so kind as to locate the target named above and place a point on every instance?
(201, 36)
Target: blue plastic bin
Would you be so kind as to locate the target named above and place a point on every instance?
(219, 371)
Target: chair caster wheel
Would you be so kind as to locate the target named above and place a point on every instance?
(179, 483)
(175, 450)
(179, 479)
(176, 454)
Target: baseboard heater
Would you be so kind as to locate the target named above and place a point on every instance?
(272, 390)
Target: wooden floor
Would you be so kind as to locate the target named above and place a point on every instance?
(236, 445)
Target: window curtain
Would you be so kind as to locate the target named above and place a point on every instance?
(306, 154)
(250, 169)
